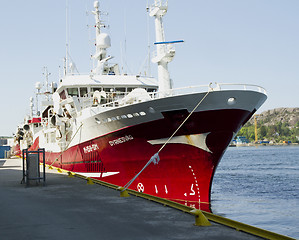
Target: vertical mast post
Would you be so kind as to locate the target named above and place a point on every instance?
(98, 23)
(31, 107)
(102, 42)
(165, 52)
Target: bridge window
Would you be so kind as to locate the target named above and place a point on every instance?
(120, 90)
(151, 89)
(109, 89)
(96, 89)
(73, 92)
(83, 92)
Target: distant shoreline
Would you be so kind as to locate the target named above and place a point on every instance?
(264, 145)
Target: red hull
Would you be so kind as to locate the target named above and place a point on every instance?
(17, 150)
(184, 173)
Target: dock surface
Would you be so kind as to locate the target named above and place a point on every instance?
(69, 208)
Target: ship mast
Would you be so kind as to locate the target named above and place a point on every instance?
(102, 42)
(31, 107)
(165, 51)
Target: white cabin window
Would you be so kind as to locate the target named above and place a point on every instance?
(98, 120)
(120, 90)
(111, 89)
(73, 92)
(83, 92)
(151, 89)
(96, 89)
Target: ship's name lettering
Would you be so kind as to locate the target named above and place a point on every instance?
(90, 148)
(120, 140)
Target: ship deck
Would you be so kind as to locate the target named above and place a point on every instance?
(69, 208)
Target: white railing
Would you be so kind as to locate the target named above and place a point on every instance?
(116, 101)
(210, 87)
(240, 86)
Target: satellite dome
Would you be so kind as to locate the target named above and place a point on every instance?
(38, 86)
(103, 41)
(96, 4)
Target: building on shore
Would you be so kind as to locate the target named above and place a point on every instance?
(5, 146)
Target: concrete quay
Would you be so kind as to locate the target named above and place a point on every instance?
(69, 208)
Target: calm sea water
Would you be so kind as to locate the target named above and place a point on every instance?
(259, 186)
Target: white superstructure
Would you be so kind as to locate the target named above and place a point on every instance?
(85, 107)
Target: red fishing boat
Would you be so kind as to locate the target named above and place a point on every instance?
(108, 125)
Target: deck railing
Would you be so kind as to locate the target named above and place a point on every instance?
(115, 101)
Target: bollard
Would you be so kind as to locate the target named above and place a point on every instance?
(200, 219)
(89, 181)
(123, 193)
(70, 174)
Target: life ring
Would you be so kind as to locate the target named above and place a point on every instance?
(140, 187)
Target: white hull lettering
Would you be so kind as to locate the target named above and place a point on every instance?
(90, 148)
(120, 140)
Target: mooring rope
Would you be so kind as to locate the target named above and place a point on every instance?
(155, 158)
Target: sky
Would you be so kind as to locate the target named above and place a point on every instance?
(225, 41)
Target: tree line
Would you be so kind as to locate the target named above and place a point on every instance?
(277, 133)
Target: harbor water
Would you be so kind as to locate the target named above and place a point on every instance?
(259, 186)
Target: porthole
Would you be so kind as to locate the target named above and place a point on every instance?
(151, 110)
(129, 115)
(136, 114)
(98, 120)
(231, 101)
(142, 113)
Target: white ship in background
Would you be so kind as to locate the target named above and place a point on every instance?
(108, 125)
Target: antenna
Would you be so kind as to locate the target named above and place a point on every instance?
(31, 106)
(47, 74)
(121, 58)
(127, 68)
(66, 37)
(38, 87)
(91, 62)
(103, 42)
(148, 40)
(125, 42)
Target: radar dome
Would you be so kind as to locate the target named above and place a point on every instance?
(103, 41)
(38, 86)
(96, 4)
